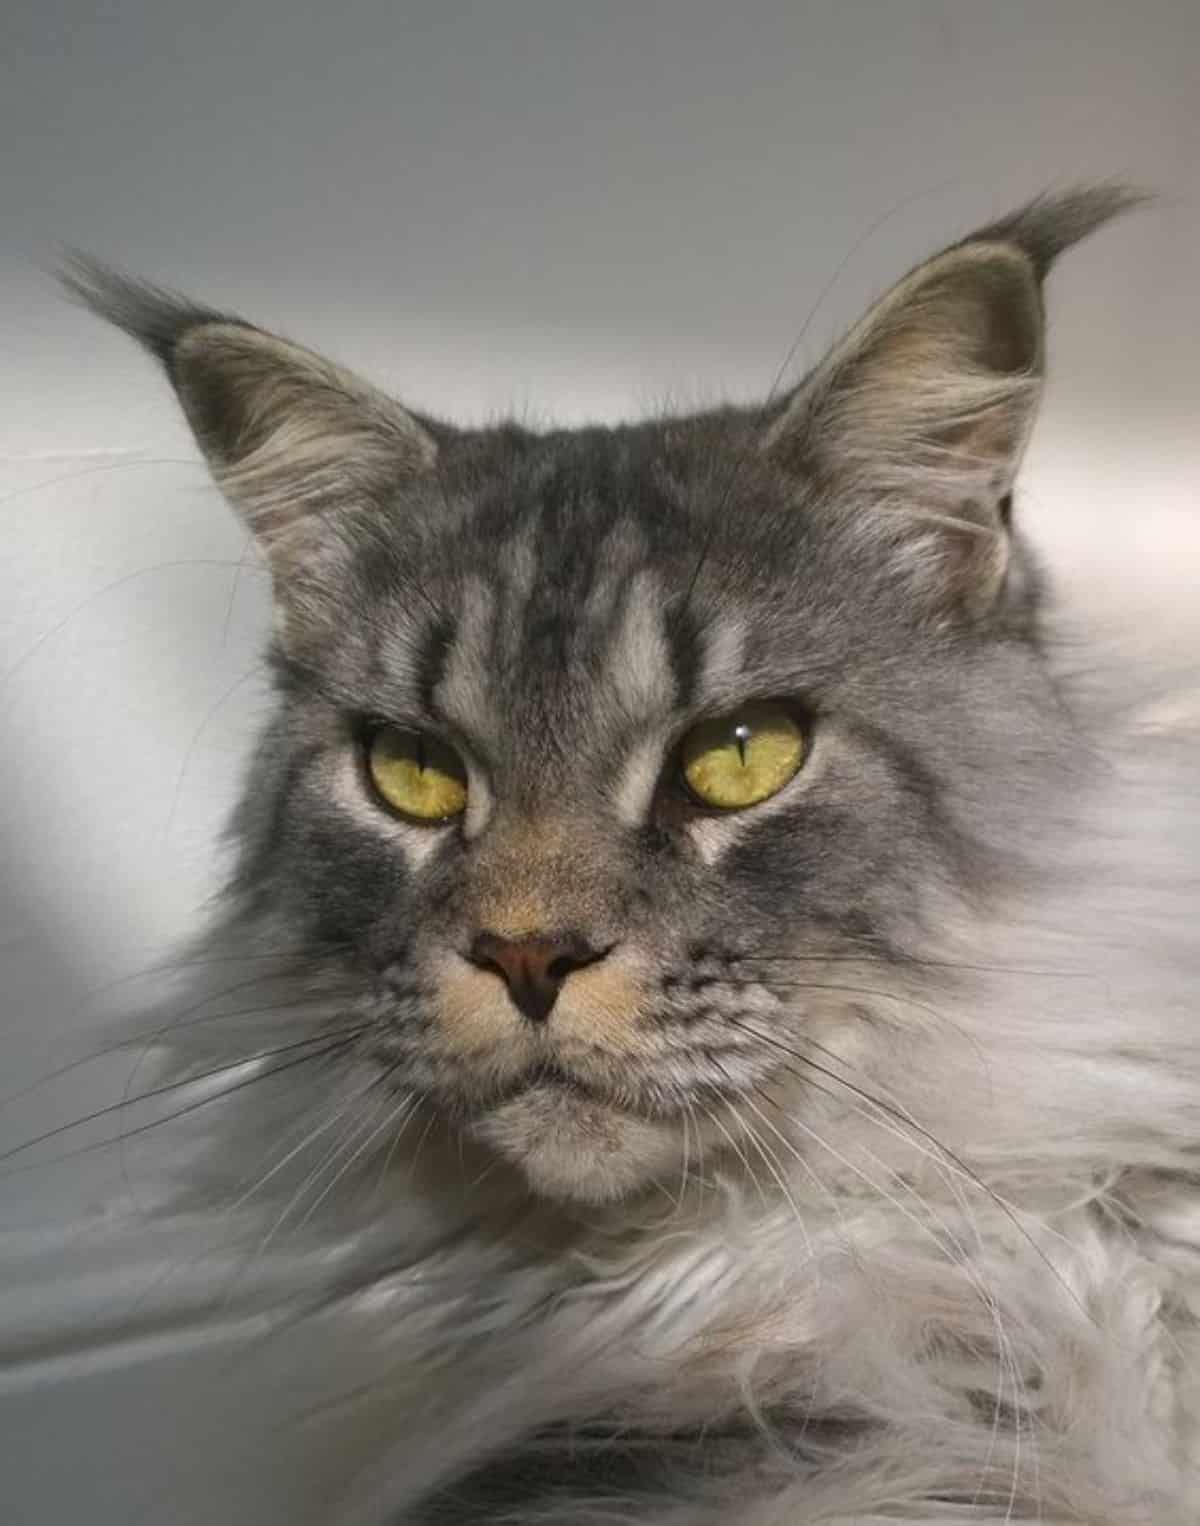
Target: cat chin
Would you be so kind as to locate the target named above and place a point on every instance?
(571, 1147)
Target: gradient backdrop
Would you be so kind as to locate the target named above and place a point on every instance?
(572, 210)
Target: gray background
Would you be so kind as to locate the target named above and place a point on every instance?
(568, 210)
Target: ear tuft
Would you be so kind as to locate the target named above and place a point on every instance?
(1049, 225)
(924, 409)
(291, 438)
(154, 316)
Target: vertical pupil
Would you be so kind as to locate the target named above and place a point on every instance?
(420, 754)
(741, 735)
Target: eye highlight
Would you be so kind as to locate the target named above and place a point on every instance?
(416, 775)
(745, 757)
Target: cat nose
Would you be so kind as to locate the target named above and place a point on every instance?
(534, 968)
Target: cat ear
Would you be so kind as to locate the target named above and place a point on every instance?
(289, 436)
(921, 414)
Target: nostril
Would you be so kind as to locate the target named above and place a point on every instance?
(534, 969)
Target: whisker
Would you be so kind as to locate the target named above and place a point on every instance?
(947, 1241)
(340, 1046)
(93, 471)
(675, 1202)
(1006, 1355)
(315, 1175)
(683, 1174)
(773, 1166)
(176, 1023)
(260, 1251)
(399, 1135)
(60, 625)
(309, 1138)
(943, 1152)
(170, 1086)
(691, 1111)
(739, 1152)
(1009, 1368)
(186, 761)
(900, 962)
(807, 1167)
(881, 995)
(425, 1132)
(406, 1103)
(243, 1197)
(234, 585)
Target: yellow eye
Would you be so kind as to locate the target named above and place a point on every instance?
(417, 775)
(742, 758)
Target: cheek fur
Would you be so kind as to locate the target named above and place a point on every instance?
(601, 1007)
(475, 1019)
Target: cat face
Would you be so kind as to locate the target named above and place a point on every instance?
(600, 754)
(563, 641)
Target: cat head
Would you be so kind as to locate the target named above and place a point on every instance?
(600, 753)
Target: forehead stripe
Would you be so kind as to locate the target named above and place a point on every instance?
(683, 644)
(431, 665)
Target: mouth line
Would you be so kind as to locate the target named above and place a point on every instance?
(550, 1074)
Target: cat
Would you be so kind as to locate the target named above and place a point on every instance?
(760, 969)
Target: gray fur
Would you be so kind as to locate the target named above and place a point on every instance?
(888, 1289)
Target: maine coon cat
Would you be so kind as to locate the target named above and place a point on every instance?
(759, 974)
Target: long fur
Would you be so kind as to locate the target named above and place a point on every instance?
(933, 1254)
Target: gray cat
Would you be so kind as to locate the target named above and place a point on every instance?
(756, 967)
